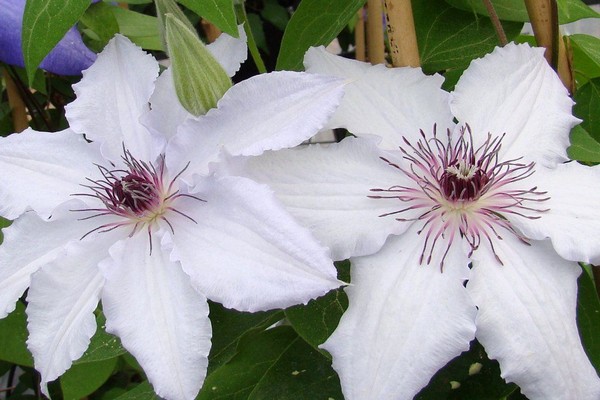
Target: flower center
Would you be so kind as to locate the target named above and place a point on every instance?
(136, 193)
(463, 192)
(463, 181)
(138, 196)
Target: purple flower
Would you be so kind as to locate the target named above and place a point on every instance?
(69, 57)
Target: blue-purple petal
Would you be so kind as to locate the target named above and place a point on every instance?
(69, 57)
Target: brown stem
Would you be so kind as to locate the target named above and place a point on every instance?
(210, 30)
(402, 34)
(359, 36)
(543, 15)
(375, 41)
(540, 16)
(565, 63)
(496, 22)
(16, 104)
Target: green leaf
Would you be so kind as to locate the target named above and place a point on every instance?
(276, 14)
(4, 223)
(314, 23)
(103, 345)
(277, 364)
(583, 146)
(451, 38)
(258, 32)
(143, 391)
(587, 104)
(200, 81)
(5, 367)
(101, 21)
(230, 326)
(219, 12)
(508, 10)
(141, 29)
(13, 334)
(451, 77)
(472, 375)
(39, 79)
(83, 379)
(588, 318)
(515, 10)
(45, 22)
(574, 10)
(317, 320)
(136, 1)
(586, 56)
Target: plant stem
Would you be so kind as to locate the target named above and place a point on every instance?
(210, 30)
(401, 33)
(496, 22)
(242, 17)
(16, 103)
(375, 41)
(543, 15)
(359, 36)
(545, 28)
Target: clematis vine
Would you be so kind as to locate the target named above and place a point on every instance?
(132, 214)
(455, 230)
(69, 57)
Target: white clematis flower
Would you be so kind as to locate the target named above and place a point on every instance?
(432, 204)
(136, 219)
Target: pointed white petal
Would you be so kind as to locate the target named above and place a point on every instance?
(389, 102)
(166, 112)
(245, 251)
(514, 91)
(112, 96)
(327, 189)
(230, 52)
(573, 219)
(266, 112)
(41, 170)
(526, 320)
(31, 243)
(404, 320)
(61, 303)
(161, 320)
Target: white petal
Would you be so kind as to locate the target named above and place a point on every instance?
(161, 320)
(327, 189)
(29, 244)
(514, 91)
(166, 112)
(245, 251)
(230, 52)
(389, 102)
(112, 96)
(266, 112)
(61, 303)
(403, 323)
(41, 170)
(573, 219)
(526, 320)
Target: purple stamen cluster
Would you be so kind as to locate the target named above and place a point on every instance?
(137, 195)
(463, 191)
